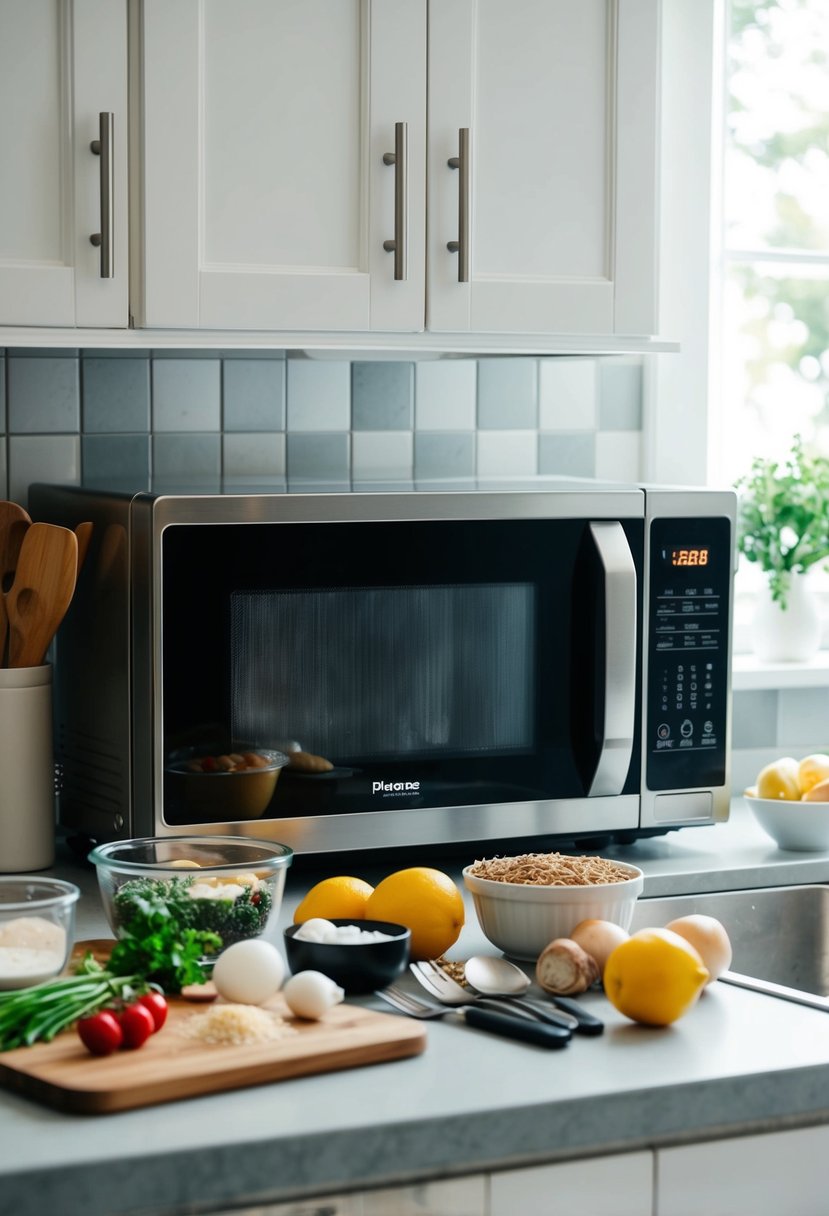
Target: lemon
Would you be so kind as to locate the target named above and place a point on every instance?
(425, 901)
(341, 897)
(779, 780)
(654, 977)
(812, 770)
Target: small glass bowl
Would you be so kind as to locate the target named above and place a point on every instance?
(241, 876)
(37, 928)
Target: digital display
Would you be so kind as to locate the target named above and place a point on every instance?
(688, 557)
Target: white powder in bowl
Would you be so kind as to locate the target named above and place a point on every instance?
(32, 949)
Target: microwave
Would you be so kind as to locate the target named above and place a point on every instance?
(535, 662)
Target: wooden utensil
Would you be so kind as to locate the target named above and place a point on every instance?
(14, 522)
(84, 534)
(44, 583)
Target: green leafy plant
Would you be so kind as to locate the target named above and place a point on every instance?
(783, 516)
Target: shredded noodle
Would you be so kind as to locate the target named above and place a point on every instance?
(551, 870)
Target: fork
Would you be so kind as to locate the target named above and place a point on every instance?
(503, 1024)
(431, 976)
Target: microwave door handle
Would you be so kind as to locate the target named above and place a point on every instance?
(620, 659)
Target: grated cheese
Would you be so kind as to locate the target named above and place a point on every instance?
(236, 1025)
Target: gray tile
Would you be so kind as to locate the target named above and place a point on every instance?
(43, 394)
(186, 394)
(620, 396)
(2, 392)
(253, 394)
(253, 455)
(507, 393)
(323, 457)
(507, 453)
(115, 395)
(382, 396)
(4, 481)
(569, 454)
(41, 458)
(444, 454)
(240, 352)
(382, 454)
(446, 395)
(115, 459)
(319, 395)
(43, 352)
(186, 458)
(754, 718)
(130, 352)
(567, 394)
(618, 455)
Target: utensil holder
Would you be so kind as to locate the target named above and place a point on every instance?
(27, 777)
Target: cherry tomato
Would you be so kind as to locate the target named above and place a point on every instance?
(137, 1025)
(155, 1002)
(101, 1033)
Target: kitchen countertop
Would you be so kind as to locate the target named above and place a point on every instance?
(737, 1063)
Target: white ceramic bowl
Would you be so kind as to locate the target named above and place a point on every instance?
(802, 827)
(522, 918)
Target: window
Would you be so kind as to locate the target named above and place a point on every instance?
(774, 306)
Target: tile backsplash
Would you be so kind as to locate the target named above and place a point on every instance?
(93, 415)
(769, 723)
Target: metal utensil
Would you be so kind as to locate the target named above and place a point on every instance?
(44, 583)
(525, 1030)
(431, 976)
(499, 977)
(14, 523)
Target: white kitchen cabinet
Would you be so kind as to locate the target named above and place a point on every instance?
(600, 1186)
(443, 1197)
(767, 1175)
(266, 201)
(62, 65)
(560, 101)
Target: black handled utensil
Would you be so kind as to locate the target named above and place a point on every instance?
(588, 1023)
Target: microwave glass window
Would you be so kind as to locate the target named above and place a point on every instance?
(398, 672)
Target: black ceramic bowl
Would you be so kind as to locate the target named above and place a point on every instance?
(355, 966)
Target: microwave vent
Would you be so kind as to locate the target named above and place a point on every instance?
(90, 773)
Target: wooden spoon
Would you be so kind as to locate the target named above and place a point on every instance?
(14, 522)
(47, 569)
(84, 534)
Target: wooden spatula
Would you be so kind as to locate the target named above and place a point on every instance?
(14, 522)
(44, 583)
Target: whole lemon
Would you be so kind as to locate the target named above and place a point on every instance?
(779, 780)
(654, 977)
(341, 897)
(812, 770)
(425, 901)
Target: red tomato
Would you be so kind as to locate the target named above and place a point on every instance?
(136, 1025)
(155, 1002)
(101, 1033)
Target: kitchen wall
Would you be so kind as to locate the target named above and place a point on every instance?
(769, 723)
(67, 415)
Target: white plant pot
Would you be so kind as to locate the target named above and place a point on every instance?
(789, 635)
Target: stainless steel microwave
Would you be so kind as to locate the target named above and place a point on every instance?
(539, 662)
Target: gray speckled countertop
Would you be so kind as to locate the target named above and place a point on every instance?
(739, 1062)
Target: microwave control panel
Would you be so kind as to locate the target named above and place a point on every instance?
(688, 652)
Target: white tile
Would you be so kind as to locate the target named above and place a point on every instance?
(42, 458)
(567, 394)
(445, 395)
(619, 455)
(803, 720)
(381, 454)
(253, 455)
(319, 395)
(507, 453)
(186, 395)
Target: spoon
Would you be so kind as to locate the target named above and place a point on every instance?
(43, 586)
(14, 522)
(499, 977)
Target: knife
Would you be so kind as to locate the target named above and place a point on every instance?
(588, 1023)
(524, 1029)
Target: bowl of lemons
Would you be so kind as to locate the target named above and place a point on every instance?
(790, 801)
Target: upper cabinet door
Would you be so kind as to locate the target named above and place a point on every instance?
(267, 190)
(555, 209)
(62, 65)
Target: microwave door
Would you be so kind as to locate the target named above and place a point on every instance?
(619, 669)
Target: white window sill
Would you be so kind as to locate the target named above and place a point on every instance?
(748, 672)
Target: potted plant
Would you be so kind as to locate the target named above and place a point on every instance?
(783, 526)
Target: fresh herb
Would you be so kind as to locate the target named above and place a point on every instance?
(156, 934)
(28, 1015)
(783, 522)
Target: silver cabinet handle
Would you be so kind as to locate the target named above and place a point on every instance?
(461, 245)
(400, 159)
(105, 148)
(620, 658)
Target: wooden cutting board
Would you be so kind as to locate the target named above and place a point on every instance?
(172, 1065)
